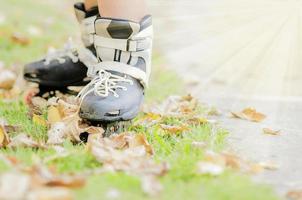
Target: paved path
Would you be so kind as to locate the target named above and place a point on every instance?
(239, 53)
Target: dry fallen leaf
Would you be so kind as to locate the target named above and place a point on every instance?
(249, 114)
(18, 38)
(268, 165)
(197, 121)
(54, 115)
(7, 79)
(67, 107)
(216, 163)
(294, 195)
(176, 106)
(140, 140)
(130, 140)
(38, 182)
(148, 119)
(56, 134)
(269, 131)
(174, 129)
(39, 120)
(66, 181)
(121, 153)
(38, 105)
(23, 140)
(94, 130)
(4, 138)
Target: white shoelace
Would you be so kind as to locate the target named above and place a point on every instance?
(103, 84)
(67, 51)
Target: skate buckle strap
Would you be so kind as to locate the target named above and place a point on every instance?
(129, 45)
(87, 28)
(88, 25)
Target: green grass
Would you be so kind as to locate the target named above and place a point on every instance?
(180, 183)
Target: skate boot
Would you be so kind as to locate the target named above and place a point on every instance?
(120, 72)
(62, 68)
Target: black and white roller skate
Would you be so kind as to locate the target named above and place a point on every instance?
(63, 68)
(120, 72)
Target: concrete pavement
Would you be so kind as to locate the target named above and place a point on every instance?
(239, 53)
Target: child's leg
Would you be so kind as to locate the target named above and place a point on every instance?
(133, 10)
(90, 4)
(123, 42)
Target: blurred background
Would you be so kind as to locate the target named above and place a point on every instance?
(230, 54)
(239, 53)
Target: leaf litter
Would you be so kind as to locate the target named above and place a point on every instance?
(249, 114)
(128, 152)
(20, 39)
(294, 195)
(216, 164)
(37, 182)
(131, 154)
(270, 131)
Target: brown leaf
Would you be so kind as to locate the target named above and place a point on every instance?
(68, 106)
(268, 165)
(66, 181)
(130, 140)
(249, 114)
(12, 128)
(294, 195)
(140, 140)
(188, 97)
(7, 79)
(39, 120)
(133, 160)
(216, 163)
(56, 134)
(174, 129)
(148, 119)
(70, 124)
(232, 161)
(269, 131)
(18, 38)
(54, 115)
(95, 130)
(38, 182)
(4, 138)
(23, 140)
(38, 105)
(72, 127)
(197, 121)
(176, 106)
